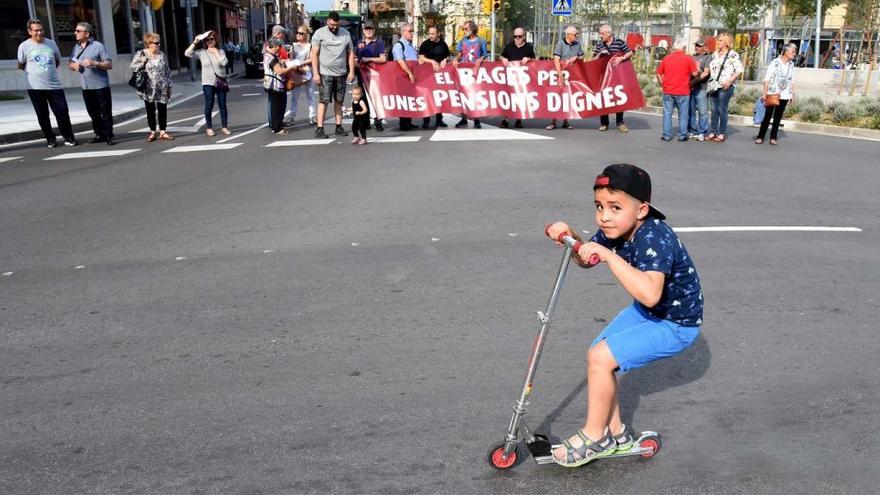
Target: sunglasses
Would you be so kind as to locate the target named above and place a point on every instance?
(79, 31)
(157, 43)
(298, 34)
(518, 36)
(368, 28)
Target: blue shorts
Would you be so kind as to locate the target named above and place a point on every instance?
(636, 338)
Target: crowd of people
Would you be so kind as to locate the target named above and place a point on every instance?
(698, 86)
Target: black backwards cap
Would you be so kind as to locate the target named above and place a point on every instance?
(631, 180)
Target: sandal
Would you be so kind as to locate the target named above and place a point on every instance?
(710, 137)
(226, 131)
(151, 137)
(210, 132)
(759, 141)
(588, 451)
(165, 136)
(774, 142)
(720, 138)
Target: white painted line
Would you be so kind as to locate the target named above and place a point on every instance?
(91, 154)
(395, 139)
(202, 147)
(767, 228)
(7, 274)
(300, 142)
(485, 135)
(250, 94)
(243, 134)
(79, 267)
(10, 158)
(201, 115)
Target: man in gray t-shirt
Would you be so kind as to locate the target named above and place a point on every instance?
(91, 59)
(332, 66)
(39, 59)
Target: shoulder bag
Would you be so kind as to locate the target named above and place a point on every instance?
(713, 86)
(138, 79)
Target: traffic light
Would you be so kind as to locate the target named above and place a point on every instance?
(496, 5)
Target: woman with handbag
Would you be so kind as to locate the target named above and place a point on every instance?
(778, 92)
(724, 69)
(156, 92)
(302, 76)
(213, 61)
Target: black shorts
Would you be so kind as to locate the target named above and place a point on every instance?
(332, 89)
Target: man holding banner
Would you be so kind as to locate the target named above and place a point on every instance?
(518, 50)
(567, 52)
(434, 51)
(616, 48)
(403, 52)
(471, 49)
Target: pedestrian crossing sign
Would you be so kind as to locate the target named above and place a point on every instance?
(561, 7)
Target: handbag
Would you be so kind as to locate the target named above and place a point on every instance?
(220, 82)
(713, 86)
(771, 100)
(138, 79)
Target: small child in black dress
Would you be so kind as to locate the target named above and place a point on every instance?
(360, 110)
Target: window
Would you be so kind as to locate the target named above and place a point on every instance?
(65, 16)
(120, 26)
(12, 28)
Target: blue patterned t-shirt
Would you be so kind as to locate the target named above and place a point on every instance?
(655, 248)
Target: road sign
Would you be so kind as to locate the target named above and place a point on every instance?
(562, 7)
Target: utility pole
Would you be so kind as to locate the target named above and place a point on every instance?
(818, 31)
(190, 37)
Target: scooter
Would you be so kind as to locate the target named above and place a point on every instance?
(504, 455)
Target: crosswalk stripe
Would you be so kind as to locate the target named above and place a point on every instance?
(300, 142)
(484, 135)
(394, 139)
(91, 154)
(10, 158)
(202, 147)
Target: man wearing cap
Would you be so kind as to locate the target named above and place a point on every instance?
(370, 50)
(280, 33)
(39, 58)
(698, 124)
(92, 60)
(617, 49)
(332, 66)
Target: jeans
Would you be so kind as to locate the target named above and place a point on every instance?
(152, 106)
(99, 105)
(720, 101)
(699, 119)
(618, 119)
(776, 114)
(307, 89)
(209, 92)
(277, 104)
(42, 100)
(670, 102)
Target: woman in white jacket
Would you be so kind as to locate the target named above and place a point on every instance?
(301, 57)
(213, 61)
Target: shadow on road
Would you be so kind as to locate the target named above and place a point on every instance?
(678, 370)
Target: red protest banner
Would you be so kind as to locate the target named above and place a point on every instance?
(521, 91)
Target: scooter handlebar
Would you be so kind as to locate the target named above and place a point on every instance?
(574, 244)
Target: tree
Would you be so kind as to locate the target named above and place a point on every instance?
(736, 13)
(797, 16)
(518, 13)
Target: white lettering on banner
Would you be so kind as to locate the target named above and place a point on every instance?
(407, 103)
(581, 101)
(512, 75)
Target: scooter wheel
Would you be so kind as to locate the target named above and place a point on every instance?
(496, 459)
(652, 443)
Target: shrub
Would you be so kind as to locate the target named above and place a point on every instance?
(816, 101)
(867, 107)
(874, 123)
(810, 111)
(655, 100)
(843, 113)
(747, 96)
(832, 106)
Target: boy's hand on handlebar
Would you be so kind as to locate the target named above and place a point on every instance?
(589, 250)
(554, 230)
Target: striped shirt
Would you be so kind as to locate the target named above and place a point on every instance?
(617, 46)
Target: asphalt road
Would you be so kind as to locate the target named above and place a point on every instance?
(357, 319)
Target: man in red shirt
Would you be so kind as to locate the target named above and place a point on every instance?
(674, 74)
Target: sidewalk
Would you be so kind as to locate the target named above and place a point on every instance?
(18, 122)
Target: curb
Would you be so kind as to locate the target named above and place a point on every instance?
(26, 137)
(793, 126)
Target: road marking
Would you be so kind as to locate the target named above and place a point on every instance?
(202, 147)
(484, 135)
(91, 154)
(79, 267)
(7, 274)
(195, 128)
(767, 228)
(10, 158)
(243, 134)
(394, 139)
(300, 142)
(250, 94)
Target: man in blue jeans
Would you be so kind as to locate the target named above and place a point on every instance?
(673, 74)
(698, 124)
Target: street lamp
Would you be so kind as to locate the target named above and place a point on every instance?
(818, 29)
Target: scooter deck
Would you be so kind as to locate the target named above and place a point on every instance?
(636, 450)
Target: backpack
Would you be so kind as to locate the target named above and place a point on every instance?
(391, 52)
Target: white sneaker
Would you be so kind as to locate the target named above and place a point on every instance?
(699, 137)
